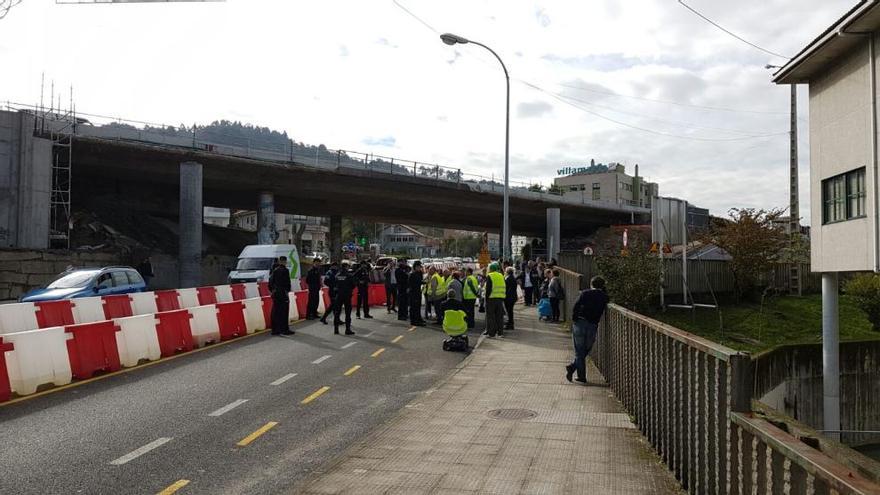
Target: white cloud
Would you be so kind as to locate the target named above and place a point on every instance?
(278, 64)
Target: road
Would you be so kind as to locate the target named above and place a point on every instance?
(233, 418)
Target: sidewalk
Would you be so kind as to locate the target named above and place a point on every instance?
(577, 439)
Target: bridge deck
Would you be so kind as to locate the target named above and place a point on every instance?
(579, 441)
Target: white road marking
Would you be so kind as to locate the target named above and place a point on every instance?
(346, 346)
(283, 379)
(134, 454)
(370, 334)
(228, 407)
(321, 359)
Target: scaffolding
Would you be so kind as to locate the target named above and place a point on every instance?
(59, 126)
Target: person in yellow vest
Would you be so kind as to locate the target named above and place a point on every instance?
(438, 293)
(496, 291)
(469, 293)
(428, 289)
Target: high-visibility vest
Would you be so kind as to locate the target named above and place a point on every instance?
(454, 323)
(466, 291)
(437, 291)
(499, 288)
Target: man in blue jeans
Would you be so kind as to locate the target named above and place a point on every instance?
(587, 312)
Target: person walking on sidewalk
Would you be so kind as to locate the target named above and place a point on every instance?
(313, 281)
(585, 318)
(414, 296)
(279, 285)
(510, 296)
(469, 294)
(495, 294)
(556, 292)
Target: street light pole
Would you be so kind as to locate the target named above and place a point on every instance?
(451, 39)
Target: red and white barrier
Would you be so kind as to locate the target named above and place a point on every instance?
(143, 303)
(39, 357)
(189, 298)
(253, 315)
(88, 310)
(204, 325)
(17, 317)
(137, 339)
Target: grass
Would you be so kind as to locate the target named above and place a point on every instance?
(785, 320)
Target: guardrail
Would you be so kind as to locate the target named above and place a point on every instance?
(691, 398)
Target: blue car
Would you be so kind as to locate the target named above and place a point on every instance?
(87, 282)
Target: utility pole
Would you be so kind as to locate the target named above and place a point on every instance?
(794, 224)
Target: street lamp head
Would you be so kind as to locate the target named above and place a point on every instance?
(771, 66)
(452, 39)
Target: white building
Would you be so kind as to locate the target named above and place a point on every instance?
(840, 67)
(608, 184)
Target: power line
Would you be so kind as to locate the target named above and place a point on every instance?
(422, 21)
(671, 102)
(710, 21)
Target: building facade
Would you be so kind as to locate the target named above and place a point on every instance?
(609, 184)
(403, 239)
(315, 230)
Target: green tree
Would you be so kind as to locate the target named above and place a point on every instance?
(536, 188)
(554, 189)
(864, 288)
(633, 279)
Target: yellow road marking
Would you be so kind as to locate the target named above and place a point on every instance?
(253, 436)
(133, 368)
(376, 354)
(397, 339)
(352, 370)
(315, 395)
(411, 329)
(177, 485)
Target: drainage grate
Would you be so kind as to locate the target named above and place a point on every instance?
(512, 414)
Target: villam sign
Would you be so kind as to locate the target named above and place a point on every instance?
(572, 170)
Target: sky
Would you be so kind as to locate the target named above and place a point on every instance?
(637, 82)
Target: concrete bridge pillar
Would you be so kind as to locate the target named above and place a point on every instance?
(335, 238)
(266, 219)
(830, 355)
(553, 233)
(191, 210)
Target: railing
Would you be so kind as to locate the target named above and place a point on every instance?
(691, 398)
(312, 156)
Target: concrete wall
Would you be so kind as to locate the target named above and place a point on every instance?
(840, 141)
(23, 270)
(25, 183)
(789, 379)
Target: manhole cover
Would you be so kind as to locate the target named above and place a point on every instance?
(512, 414)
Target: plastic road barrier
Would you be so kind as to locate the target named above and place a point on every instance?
(302, 301)
(204, 325)
(230, 316)
(39, 357)
(253, 315)
(293, 312)
(239, 292)
(167, 300)
(324, 300)
(251, 290)
(224, 293)
(88, 310)
(376, 295)
(267, 310)
(137, 339)
(174, 332)
(118, 306)
(189, 298)
(207, 295)
(5, 388)
(54, 313)
(263, 287)
(93, 348)
(17, 317)
(143, 303)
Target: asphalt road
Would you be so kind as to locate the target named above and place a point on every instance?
(182, 421)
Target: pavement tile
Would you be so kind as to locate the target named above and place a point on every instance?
(580, 441)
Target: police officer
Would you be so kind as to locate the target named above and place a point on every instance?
(401, 274)
(363, 287)
(330, 282)
(345, 282)
(279, 285)
(313, 280)
(414, 295)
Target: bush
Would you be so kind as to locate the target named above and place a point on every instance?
(864, 288)
(633, 280)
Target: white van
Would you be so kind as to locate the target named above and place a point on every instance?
(255, 263)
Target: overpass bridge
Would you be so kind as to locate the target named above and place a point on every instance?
(169, 173)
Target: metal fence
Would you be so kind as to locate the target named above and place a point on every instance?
(691, 398)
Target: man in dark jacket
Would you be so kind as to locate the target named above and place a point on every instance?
(528, 279)
(313, 280)
(510, 296)
(401, 275)
(330, 282)
(279, 285)
(363, 287)
(585, 318)
(414, 295)
(345, 283)
(145, 268)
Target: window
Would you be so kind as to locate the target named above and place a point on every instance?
(572, 188)
(134, 278)
(583, 187)
(597, 191)
(120, 279)
(843, 197)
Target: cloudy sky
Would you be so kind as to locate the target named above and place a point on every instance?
(638, 81)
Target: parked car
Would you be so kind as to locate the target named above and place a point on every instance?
(86, 282)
